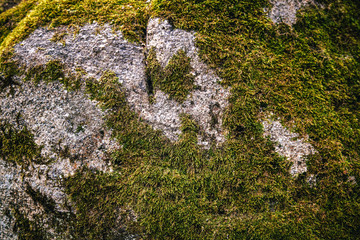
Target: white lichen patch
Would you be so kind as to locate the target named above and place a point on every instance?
(289, 145)
(285, 10)
(98, 48)
(206, 102)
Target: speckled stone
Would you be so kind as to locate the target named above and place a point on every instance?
(289, 145)
(285, 10)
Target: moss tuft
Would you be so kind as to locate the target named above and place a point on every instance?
(175, 79)
(18, 146)
(27, 229)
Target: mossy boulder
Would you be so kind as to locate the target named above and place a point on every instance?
(179, 119)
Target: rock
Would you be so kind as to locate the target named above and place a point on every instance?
(70, 127)
(289, 145)
(200, 103)
(285, 10)
(99, 51)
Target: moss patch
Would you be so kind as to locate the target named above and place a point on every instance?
(54, 71)
(175, 79)
(18, 146)
(129, 16)
(27, 229)
(308, 75)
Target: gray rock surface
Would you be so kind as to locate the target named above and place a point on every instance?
(288, 144)
(210, 99)
(97, 49)
(9, 181)
(70, 127)
(285, 10)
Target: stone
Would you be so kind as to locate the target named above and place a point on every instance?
(289, 145)
(285, 10)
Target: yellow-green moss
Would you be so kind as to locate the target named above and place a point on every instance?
(18, 146)
(25, 228)
(308, 75)
(54, 71)
(129, 16)
(175, 79)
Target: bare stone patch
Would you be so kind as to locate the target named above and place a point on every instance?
(105, 50)
(204, 103)
(289, 145)
(285, 10)
(69, 126)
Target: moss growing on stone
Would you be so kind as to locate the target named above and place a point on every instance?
(9, 20)
(18, 146)
(27, 229)
(54, 71)
(129, 16)
(175, 79)
(96, 218)
(307, 74)
(8, 71)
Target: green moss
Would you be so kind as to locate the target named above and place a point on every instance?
(18, 146)
(243, 190)
(308, 75)
(8, 70)
(129, 16)
(175, 79)
(178, 189)
(26, 229)
(98, 210)
(54, 71)
(59, 36)
(9, 20)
